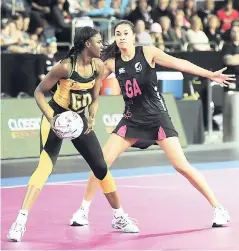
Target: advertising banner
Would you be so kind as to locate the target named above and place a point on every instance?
(21, 118)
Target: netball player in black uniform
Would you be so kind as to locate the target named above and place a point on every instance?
(145, 115)
(78, 79)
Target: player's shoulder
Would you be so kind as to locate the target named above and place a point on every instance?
(149, 51)
(149, 48)
(65, 64)
(97, 61)
(110, 64)
(62, 67)
(99, 65)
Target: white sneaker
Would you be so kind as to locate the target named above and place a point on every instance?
(16, 231)
(125, 223)
(79, 218)
(220, 217)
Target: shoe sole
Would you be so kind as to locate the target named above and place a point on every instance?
(116, 227)
(13, 240)
(214, 224)
(75, 224)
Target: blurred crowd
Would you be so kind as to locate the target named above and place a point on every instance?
(31, 26)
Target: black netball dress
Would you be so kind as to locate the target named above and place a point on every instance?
(145, 116)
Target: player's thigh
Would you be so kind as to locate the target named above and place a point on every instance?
(89, 147)
(50, 144)
(174, 152)
(114, 146)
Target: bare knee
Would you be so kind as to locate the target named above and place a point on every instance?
(109, 161)
(183, 167)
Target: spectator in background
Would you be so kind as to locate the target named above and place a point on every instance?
(167, 32)
(208, 10)
(141, 12)
(156, 36)
(161, 10)
(173, 7)
(6, 38)
(20, 6)
(196, 37)
(227, 15)
(14, 34)
(23, 37)
(179, 33)
(47, 59)
(132, 4)
(213, 30)
(186, 23)
(103, 9)
(77, 8)
(189, 8)
(61, 20)
(227, 35)
(36, 35)
(121, 5)
(230, 53)
(12, 39)
(40, 11)
(142, 36)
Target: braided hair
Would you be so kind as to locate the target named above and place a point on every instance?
(81, 36)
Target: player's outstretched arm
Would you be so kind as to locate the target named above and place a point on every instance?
(161, 58)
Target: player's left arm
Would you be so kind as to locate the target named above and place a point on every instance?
(94, 106)
(161, 58)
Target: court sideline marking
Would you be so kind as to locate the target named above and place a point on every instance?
(120, 173)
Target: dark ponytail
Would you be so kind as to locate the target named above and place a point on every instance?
(110, 51)
(81, 36)
(70, 53)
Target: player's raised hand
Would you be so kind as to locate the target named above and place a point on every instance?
(223, 79)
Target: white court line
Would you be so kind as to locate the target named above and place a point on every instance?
(120, 186)
(128, 177)
(81, 181)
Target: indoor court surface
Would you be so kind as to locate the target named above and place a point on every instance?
(171, 214)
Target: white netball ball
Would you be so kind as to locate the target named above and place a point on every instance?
(69, 125)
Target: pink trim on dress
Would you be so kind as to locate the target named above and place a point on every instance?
(161, 134)
(122, 131)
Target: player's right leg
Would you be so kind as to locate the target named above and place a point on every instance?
(50, 147)
(112, 149)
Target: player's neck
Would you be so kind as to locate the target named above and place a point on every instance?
(127, 53)
(83, 59)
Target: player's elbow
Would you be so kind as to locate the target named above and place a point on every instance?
(37, 92)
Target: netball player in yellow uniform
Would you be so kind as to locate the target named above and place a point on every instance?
(78, 79)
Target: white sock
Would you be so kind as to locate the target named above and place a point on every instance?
(22, 216)
(85, 205)
(118, 212)
(219, 206)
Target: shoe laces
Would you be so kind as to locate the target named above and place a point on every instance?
(18, 227)
(125, 219)
(218, 209)
(83, 212)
